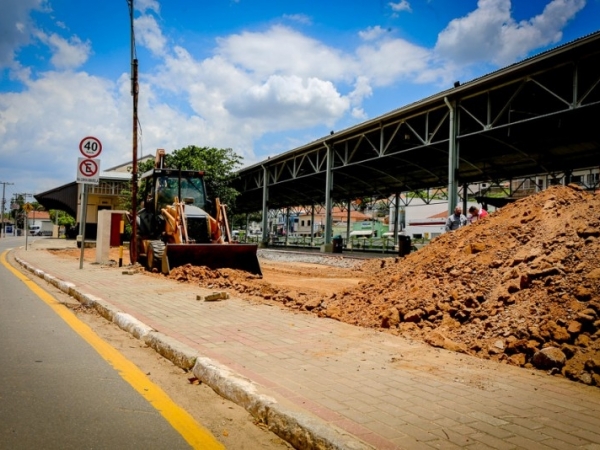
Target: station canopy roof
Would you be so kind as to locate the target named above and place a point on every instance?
(538, 116)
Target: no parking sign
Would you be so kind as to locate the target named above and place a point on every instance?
(88, 171)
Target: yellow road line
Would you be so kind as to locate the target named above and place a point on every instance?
(196, 435)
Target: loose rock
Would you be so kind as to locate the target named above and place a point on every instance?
(549, 358)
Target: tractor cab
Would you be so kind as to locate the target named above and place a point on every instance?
(161, 188)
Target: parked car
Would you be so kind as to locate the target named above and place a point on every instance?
(41, 230)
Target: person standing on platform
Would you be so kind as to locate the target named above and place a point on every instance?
(456, 220)
(477, 213)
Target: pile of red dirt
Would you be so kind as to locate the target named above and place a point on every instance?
(521, 286)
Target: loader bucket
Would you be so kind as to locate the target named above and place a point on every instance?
(213, 256)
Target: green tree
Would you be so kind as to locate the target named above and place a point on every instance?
(63, 217)
(18, 214)
(240, 220)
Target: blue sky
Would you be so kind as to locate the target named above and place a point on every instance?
(258, 76)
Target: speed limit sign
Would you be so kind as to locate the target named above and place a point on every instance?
(90, 147)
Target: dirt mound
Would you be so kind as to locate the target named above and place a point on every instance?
(291, 283)
(521, 286)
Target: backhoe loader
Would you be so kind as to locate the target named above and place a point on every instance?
(174, 227)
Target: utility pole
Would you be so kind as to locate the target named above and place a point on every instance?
(15, 201)
(3, 230)
(134, 169)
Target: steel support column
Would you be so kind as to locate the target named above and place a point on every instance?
(265, 210)
(396, 217)
(312, 225)
(328, 201)
(348, 221)
(287, 225)
(452, 158)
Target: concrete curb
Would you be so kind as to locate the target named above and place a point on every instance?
(296, 427)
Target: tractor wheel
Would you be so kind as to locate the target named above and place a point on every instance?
(155, 254)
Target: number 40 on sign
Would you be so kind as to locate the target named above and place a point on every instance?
(90, 147)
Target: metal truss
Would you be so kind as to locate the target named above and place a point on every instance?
(534, 119)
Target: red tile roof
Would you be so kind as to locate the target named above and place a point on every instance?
(39, 215)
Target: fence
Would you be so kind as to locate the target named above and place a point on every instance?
(356, 243)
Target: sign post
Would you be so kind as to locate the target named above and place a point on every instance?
(27, 207)
(82, 224)
(88, 172)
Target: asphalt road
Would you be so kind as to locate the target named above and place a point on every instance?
(56, 391)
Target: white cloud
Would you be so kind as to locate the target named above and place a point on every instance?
(147, 5)
(372, 33)
(299, 18)
(149, 34)
(289, 102)
(402, 5)
(388, 61)
(362, 90)
(283, 51)
(241, 89)
(490, 32)
(66, 54)
(14, 25)
(203, 85)
(42, 125)
(359, 114)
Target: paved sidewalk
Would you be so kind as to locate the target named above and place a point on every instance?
(320, 383)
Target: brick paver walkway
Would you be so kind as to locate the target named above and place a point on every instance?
(385, 390)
